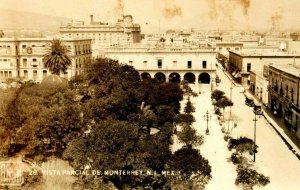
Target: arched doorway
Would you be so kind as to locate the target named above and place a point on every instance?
(160, 76)
(190, 77)
(145, 75)
(174, 77)
(204, 78)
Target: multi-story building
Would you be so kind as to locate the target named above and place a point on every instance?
(284, 94)
(241, 63)
(169, 64)
(103, 35)
(22, 58)
(259, 85)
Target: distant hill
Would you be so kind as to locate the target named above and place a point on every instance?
(18, 20)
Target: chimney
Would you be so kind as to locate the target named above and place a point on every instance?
(92, 19)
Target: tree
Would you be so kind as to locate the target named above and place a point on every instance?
(217, 94)
(57, 58)
(189, 137)
(184, 119)
(223, 103)
(241, 145)
(249, 178)
(187, 90)
(189, 108)
(195, 171)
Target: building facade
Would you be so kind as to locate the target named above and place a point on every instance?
(22, 58)
(284, 95)
(103, 35)
(241, 63)
(259, 86)
(169, 64)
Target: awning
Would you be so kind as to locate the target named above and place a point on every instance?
(238, 75)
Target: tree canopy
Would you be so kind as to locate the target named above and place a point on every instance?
(57, 58)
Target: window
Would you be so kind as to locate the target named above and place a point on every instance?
(25, 74)
(24, 62)
(35, 74)
(204, 64)
(174, 63)
(292, 95)
(44, 73)
(10, 74)
(145, 64)
(159, 63)
(34, 59)
(237, 49)
(23, 46)
(248, 67)
(189, 64)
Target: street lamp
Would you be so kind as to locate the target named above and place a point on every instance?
(207, 117)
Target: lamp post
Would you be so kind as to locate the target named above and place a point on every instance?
(207, 117)
(254, 139)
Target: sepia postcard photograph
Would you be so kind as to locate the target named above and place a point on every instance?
(149, 94)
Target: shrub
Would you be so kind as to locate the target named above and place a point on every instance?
(236, 158)
(223, 129)
(227, 137)
(248, 178)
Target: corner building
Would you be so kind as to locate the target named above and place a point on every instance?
(22, 58)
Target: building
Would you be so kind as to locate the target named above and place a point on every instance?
(284, 95)
(22, 58)
(103, 35)
(259, 85)
(241, 63)
(169, 64)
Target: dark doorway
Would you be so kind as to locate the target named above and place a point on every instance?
(160, 76)
(145, 76)
(190, 77)
(204, 78)
(174, 77)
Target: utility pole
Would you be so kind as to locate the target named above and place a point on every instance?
(254, 141)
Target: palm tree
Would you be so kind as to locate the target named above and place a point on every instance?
(57, 58)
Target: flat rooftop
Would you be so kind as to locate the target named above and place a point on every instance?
(290, 69)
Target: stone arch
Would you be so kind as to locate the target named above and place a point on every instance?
(174, 77)
(145, 75)
(160, 76)
(204, 78)
(190, 77)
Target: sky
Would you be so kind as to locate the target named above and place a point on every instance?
(158, 15)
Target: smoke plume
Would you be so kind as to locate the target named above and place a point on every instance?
(119, 8)
(275, 20)
(245, 6)
(171, 9)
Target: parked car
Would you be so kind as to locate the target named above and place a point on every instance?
(249, 101)
(257, 110)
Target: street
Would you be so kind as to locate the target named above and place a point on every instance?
(273, 159)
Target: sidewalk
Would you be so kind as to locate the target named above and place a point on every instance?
(227, 74)
(287, 136)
